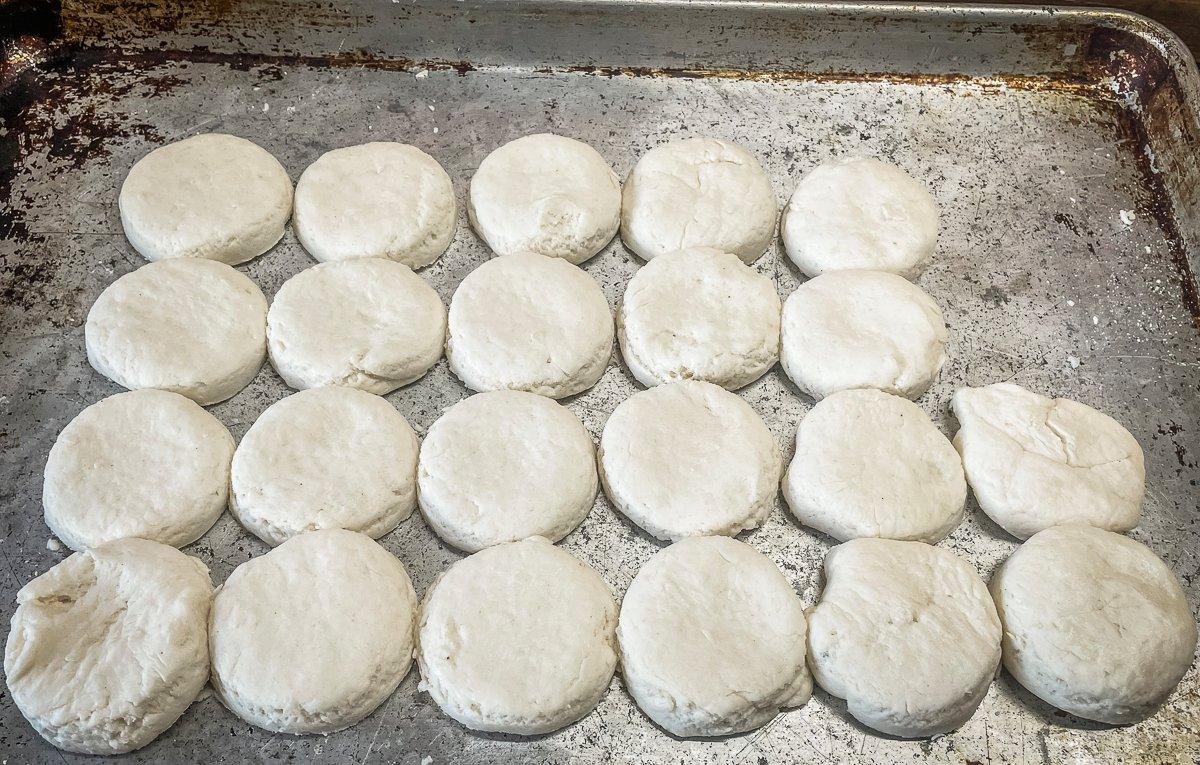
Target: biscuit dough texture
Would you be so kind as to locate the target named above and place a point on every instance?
(188, 325)
(147, 463)
(1094, 623)
(712, 639)
(1034, 462)
(518, 638)
(108, 648)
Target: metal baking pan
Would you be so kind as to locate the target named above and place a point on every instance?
(1061, 145)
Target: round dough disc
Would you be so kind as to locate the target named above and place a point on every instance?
(699, 314)
(376, 200)
(1094, 623)
(148, 463)
(506, 465)
(906, 633)
(314, 635)
(698, 192)
(1035, 462)
(325, 458)
(517, 638)
(188, 325)
(870, 464)
(860, 213)
(209, 196)
(862, 329)
(532, 323)
(546, 194)
(108, 648)
(689, 459)
(712, 639)
(368, 323)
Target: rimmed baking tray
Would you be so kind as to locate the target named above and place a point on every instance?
(1061, 146)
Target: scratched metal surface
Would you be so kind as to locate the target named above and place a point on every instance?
(1056, 269)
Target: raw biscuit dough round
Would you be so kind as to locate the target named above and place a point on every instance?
(699, 314)
(689, 459)
(1094, 623)
(518, 638)
(906, 633)
(188, 325)
(712, 639)
(870, 464)
(210, 196)
(1034, 462)
(698, 192)
(529, 322)
(376, 200)
(546, 194)
(329, 457)
(862, 329)
(506, 465)
(109, 647)
(860, 213)
(366, 323)
(147, 463)
(314, 635)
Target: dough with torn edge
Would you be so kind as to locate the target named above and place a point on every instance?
(325, 458)
(547, 194)
(505, 465)
(518, 638)
(314, 635)
(712, 639)
(699, 314)
(1034, 462)
(1094, 623)
(367, 323)
(147, 463)
(210, 196)
(870, 464)
(188, 325)
(529, 322)
(109, 647)
(376, 200)
(906, 633)
(862, 329)
(698, 192)
(860, 213)
(689, 459)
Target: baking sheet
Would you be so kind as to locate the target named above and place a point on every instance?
(1061, 266)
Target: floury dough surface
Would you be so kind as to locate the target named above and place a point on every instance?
(518, 638)
(698, 192)
(147, 463)
(529, 322)
(1094, 623)
(210, 196)
(108, 648)
(375, 200)
(862, 329)
(505, 465)
(366, 323)
(870, 464)
(906, 633)
(314, 635)
(712, 639)
(188, 325)
(860, 213)
(1034, 462)
(689, 459)
(545, 194)
(699, 314)
(329, 457)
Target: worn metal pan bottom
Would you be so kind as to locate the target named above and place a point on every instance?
(1056, 144)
